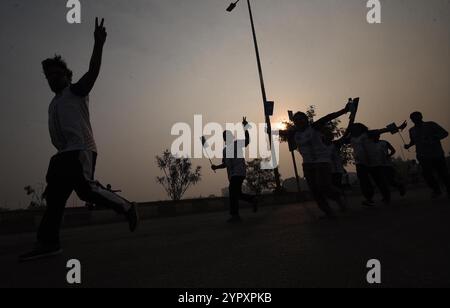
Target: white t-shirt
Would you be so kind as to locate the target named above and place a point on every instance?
(337, 164)
(383, 152)
(69, 123)
(233, 157)
(311, 146)
(365, 151)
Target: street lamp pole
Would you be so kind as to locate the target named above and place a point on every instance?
(263, 88)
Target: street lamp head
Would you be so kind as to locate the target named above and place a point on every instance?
(231, 7)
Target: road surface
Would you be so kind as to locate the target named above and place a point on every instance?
(278, 247)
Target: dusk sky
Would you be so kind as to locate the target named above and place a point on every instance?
(167, 60)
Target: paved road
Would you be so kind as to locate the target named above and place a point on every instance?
(278, 247)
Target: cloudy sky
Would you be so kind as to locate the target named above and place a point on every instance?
(167, 60)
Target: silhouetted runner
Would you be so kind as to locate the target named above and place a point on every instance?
(317, 160)
(386, 151)
(234, 161)
(427, 137)
(368, 162)
(73, 167)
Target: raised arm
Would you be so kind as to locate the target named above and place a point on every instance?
(83, 87)
(345, 138)
(332, 116)
(379, 131)
(247, 134)
(393, 129)
(391, 149)
(218, 167)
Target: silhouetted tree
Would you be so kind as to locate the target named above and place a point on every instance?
(178, 175)
(333, 126)
(37, 196)
(259, 180)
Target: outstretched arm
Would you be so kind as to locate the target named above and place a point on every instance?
(393, 129)
(391, 149)
(379, 131)
(83, 87)
(221, 166)
(332, 116)
(247, 134)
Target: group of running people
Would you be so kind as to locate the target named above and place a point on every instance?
(73, 167)
(323, 158)
(323, 162)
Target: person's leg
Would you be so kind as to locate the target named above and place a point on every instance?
(327, 188)
(365, 182)
(92, 191)
(234, 189)
(59, 188)
(441, 168)
(380, 179)
(337, 180)
(428, 174)
(312, 177)
(49, 228)
(243, 196)
(246, 197)
(392, 179)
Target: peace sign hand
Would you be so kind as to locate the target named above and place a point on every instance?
(100, 32)
(244, 121)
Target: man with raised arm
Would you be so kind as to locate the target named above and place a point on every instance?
(427, 138)
(72, 168)
(317, 160)
(233, 160)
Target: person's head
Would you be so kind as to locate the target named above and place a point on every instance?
(58, 75)
(228, 137)
(358, 129)
(417, 118)
(375, 137)
(301, 120)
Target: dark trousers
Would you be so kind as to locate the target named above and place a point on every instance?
(68, 172)
(320, 182)
(366, 175)
(337, 181)
(437, 166)
(236, 194)
(392, 178)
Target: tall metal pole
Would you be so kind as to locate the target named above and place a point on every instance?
(263, 90)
